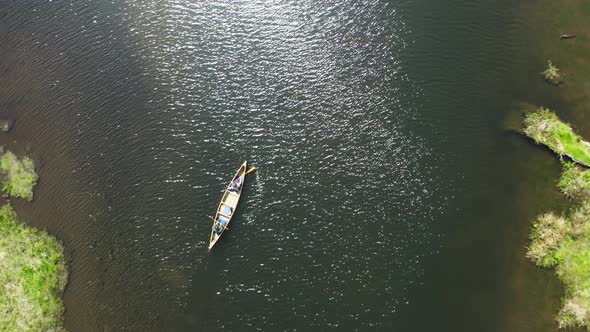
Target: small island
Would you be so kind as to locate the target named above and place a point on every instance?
(545, 128)
(33, 273)
(551, 74)
(563, 241)
(19, 175)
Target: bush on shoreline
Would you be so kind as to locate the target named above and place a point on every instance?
(574, 182)
(544, 127)
(32, 277)
(549, 231)
(19, 176)
(564, 241)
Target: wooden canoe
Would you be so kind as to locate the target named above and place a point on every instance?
(228, 205)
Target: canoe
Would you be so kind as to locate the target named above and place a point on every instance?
(228, 205)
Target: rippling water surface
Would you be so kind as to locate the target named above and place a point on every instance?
(364, 118)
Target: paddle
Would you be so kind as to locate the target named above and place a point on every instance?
(252, 169)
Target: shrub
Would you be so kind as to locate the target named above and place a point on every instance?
(574, 182)
(580, 218)
(548, 233)
(19, 176)
(557, 241)
(551, 73)
(32, 277)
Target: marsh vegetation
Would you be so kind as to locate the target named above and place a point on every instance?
(574, 182)
(32, 271)
(552, 74)
(563, 241)
(32, 277)
(546, 128)
(19, 176)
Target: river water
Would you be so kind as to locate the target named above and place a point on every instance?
(387, 197)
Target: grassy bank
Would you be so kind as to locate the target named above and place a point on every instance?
(563, 241)
(32, 277)
(19, 175)
(545, 128)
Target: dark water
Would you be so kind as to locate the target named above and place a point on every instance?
(388, 194)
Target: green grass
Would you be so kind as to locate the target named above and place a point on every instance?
(548, 17)
(32, 277)
(545, 128)
(19, 176)
(574, 270)
(563, 242)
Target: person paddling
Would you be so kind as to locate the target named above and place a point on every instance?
(236, 184)
(217, 228)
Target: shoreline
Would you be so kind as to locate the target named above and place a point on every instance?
(562, 241)
(559, 239)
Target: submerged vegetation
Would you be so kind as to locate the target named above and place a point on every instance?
(563, 241)
(545, 128)
(19, 176)
(551, 74)
(32, 277)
